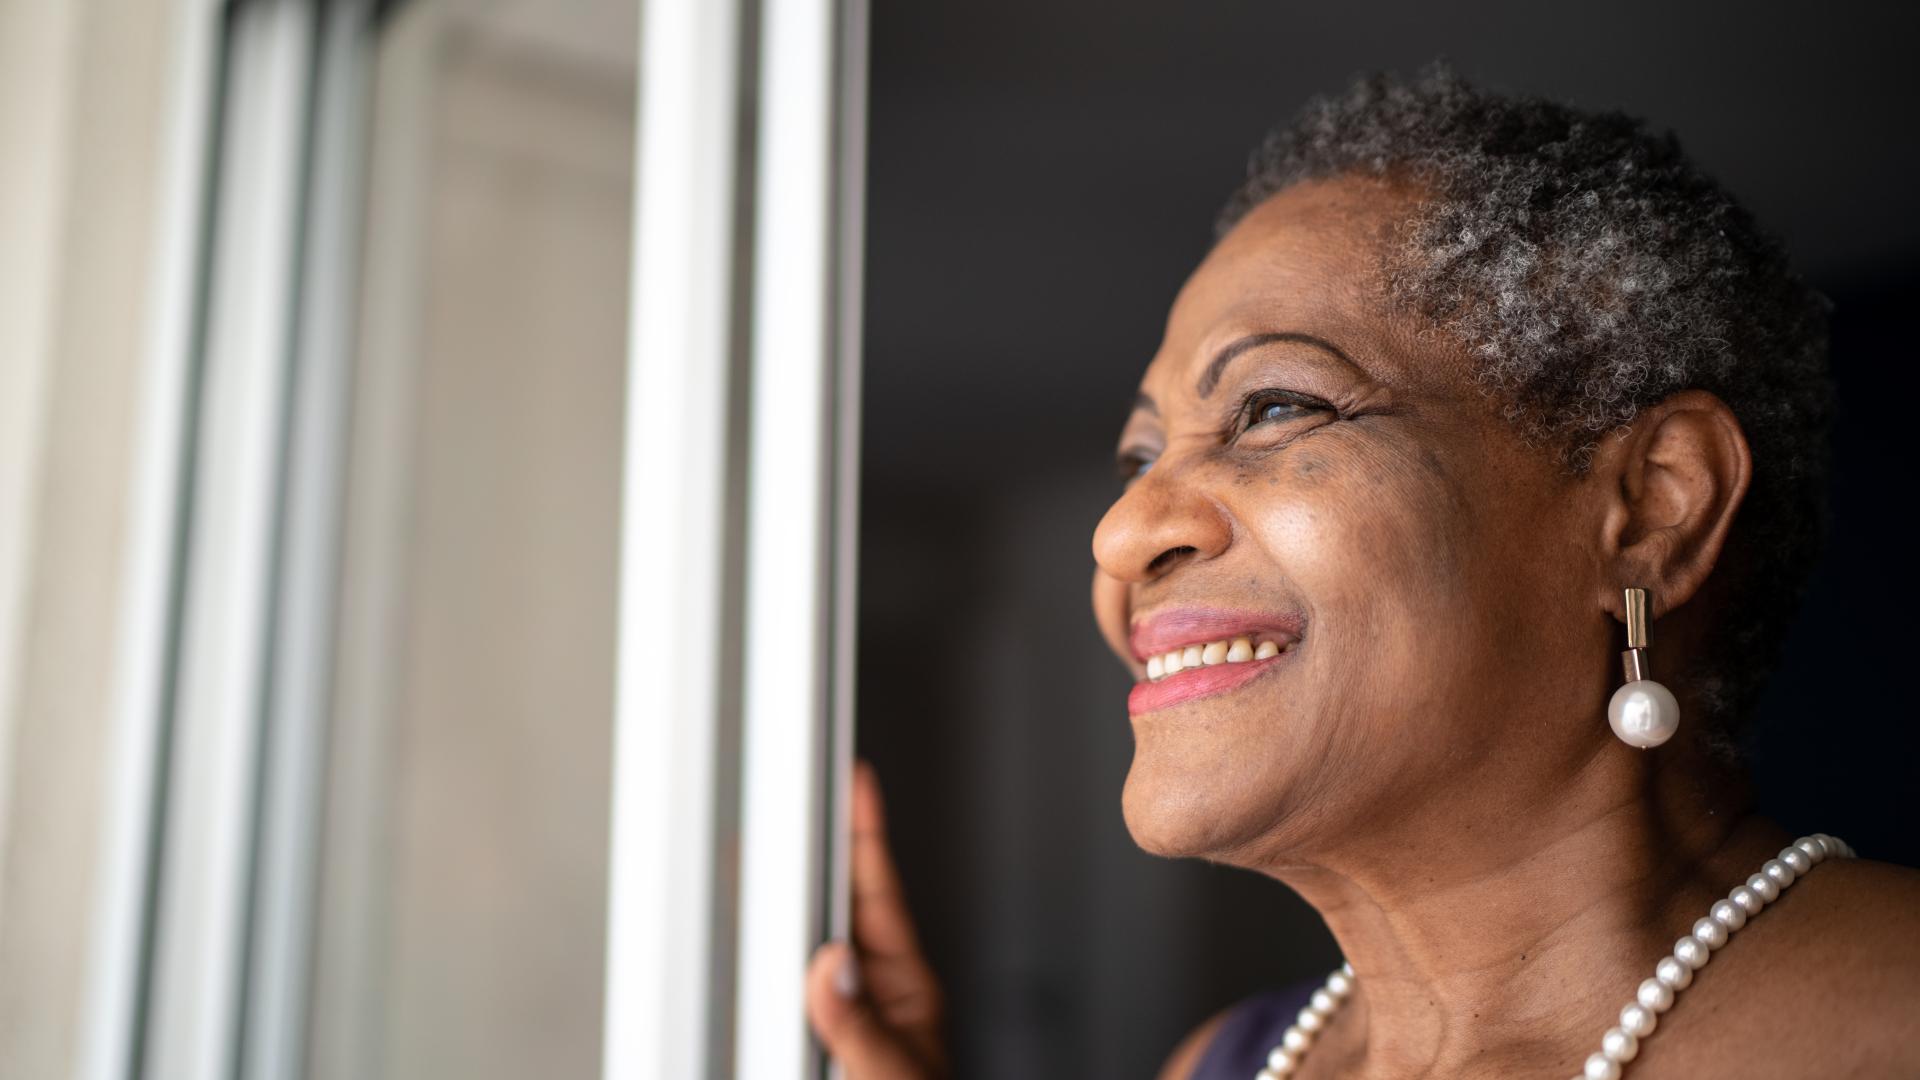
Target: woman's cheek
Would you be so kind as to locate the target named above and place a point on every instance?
(1370, 541)
(1348, 513)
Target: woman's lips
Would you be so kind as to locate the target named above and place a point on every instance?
(1151, 696)
(1171, 628)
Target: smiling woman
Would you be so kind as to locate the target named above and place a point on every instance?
(1463, 381)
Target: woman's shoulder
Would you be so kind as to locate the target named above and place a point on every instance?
(1858, 939)
(1233, 1043)
(1859, 918)
(1825, 980)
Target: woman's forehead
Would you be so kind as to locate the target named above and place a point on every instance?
(1309, 261)
(1305, 262)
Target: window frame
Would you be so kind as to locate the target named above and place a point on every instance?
(727, 859)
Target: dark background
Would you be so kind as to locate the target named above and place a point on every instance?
(1043, 176)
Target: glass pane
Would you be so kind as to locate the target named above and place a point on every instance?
(464, 863)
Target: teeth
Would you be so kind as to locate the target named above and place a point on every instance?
(1237, 650)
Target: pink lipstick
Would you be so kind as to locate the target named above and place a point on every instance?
(1146, 696)
(1193, 652)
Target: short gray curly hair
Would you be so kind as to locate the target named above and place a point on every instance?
(1591, 269)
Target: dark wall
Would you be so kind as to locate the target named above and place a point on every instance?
(1043, 177)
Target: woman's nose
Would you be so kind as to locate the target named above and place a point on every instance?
(1160, 522)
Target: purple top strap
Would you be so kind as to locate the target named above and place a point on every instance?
(1239, 1048)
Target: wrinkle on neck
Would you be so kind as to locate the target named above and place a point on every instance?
(1512, 945)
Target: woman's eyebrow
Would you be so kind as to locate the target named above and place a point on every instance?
(1210, 378)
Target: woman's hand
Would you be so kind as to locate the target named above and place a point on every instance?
(879, 1013)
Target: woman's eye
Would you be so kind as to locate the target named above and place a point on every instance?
(1269, 405)
(1131, 467)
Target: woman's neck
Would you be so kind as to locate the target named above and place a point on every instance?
(1504, 941)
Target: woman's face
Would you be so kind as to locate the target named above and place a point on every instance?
(1317, 471)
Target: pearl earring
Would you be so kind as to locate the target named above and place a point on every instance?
(1643, 712)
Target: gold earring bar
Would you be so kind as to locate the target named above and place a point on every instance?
(1633, 662)
(1636, 618)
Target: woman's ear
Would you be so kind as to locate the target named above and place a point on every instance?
(1672, 482)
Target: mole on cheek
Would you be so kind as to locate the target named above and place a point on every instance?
(1310, 468)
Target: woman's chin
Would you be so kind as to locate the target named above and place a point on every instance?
(1184, 813)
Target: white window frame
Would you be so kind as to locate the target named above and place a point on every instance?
(673, 635)
(109, 1021)
(733, 726)
(667, 1010)
(802, 519)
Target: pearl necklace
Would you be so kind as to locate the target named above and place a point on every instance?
(1671, 975)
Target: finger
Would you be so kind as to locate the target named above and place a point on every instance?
(882, 924)
(846, 1023)
(899, 981)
